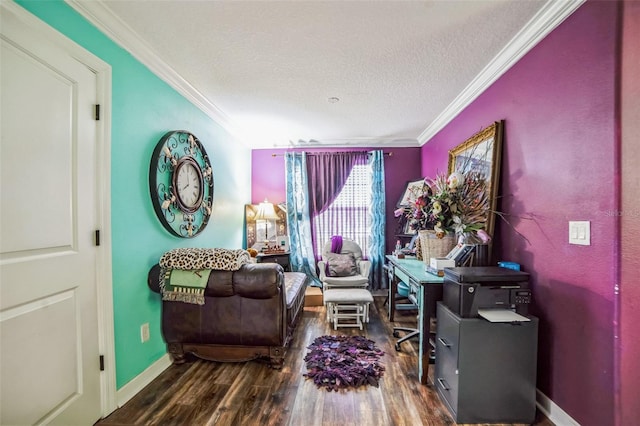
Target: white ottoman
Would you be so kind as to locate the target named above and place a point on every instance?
(347, 303)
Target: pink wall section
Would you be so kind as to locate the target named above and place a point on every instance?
(559, 164)
(268, 178)
(629, 354)
(567, 119)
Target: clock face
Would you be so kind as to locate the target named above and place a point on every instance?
(188, 184)
(181, 184)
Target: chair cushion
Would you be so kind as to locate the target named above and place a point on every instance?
(347, 295)
(403, 289)
(352, 281)
(293, 281)
(348, 246)
(341, 265)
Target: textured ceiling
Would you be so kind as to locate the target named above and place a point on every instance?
(266, 69)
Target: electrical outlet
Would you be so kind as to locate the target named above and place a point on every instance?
(144, 332)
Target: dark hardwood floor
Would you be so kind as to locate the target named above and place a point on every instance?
(251, 393)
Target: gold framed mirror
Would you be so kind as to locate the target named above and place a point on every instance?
(482, 152)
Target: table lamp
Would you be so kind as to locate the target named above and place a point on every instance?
(266, 213)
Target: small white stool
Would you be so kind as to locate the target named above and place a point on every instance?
(347, 303)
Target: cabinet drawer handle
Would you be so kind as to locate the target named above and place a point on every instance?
(443, 384)
(444, 342)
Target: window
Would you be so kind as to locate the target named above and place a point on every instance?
(348, 215)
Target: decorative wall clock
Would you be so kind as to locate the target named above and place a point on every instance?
(181, 183)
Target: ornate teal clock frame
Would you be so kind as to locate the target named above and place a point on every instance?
(181, 184)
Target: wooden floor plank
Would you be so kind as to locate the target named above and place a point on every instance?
(250, 393)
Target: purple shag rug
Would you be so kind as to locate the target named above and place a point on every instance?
(339, 362)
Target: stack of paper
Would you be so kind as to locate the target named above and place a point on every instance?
(501, 315)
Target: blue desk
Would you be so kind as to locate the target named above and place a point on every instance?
(427, 290)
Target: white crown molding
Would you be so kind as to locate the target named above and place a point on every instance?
(545, 21)
(122, 34)
(349, 143)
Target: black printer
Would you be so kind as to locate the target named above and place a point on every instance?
(467, 289)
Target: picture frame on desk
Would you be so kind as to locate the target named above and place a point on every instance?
(461, 253)
(408, 230)
(411, 193)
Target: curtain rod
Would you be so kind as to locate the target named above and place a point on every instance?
(389, 154)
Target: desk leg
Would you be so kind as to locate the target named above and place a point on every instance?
(428, 295)
(423, 346)
(393, 290)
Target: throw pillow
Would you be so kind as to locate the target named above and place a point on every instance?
(341, 265)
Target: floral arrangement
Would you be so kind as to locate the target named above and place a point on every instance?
(454, 204)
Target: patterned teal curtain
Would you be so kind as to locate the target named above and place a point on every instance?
(298, 223)
(377, 220)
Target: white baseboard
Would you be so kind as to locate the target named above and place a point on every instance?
(130, 390)
(554, 413)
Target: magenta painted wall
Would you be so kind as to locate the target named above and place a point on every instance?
(559, 164)
(629, 353)
(561, 159)
(268, 178)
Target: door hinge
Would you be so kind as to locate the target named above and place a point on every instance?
(101, 362)
(97, 112)
(97, 237)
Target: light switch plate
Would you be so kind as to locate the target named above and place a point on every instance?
(580, 232)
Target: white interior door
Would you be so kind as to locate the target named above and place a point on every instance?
(49, 352)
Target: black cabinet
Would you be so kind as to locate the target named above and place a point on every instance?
(486, 372)
(280, 258)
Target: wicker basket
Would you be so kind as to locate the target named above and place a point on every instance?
(433, 246)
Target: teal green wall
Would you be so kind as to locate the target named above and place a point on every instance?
(143, 109)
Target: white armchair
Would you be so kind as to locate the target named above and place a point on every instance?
(358, 277)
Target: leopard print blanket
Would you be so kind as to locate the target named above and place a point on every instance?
(205, 258)
(196, 259)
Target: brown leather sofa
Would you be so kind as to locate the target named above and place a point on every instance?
(247, 314)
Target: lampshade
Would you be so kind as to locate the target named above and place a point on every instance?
(266, 211)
